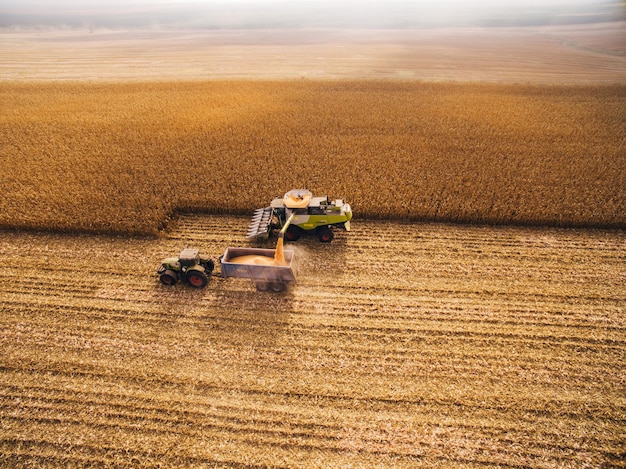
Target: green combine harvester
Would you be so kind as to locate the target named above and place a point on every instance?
(314, 215)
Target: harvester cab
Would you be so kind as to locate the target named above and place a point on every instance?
(306, 213)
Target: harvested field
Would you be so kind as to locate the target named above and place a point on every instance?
(402, 345)
(550, 55)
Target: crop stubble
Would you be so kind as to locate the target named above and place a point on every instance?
(402, 344)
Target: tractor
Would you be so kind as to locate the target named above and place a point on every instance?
(188, 267)
(316, 215)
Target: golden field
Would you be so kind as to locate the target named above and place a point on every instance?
(123, 158)
(403, 345)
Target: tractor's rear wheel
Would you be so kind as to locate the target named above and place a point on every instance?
(168, 277)
(197, 279)
(325, 235)
(293, 233)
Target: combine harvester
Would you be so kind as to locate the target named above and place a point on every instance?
(318, 215)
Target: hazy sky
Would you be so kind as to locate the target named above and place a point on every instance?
(303, 13)
(75, 5)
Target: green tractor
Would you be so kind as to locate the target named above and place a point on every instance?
(188, 267)
(315, 215)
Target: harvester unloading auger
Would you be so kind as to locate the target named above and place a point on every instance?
(306, 214)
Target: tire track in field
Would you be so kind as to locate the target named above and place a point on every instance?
(401, 343)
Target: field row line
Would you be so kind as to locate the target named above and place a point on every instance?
(607, 338)
(533, 407)
(410, 361)
(309, 420)
(272, 428)
(423, 324)
(24, 451)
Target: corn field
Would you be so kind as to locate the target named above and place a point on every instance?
(126, 158)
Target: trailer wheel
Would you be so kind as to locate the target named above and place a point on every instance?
(168, 277)
(262, 286)
(277, 287)
(197, 279)
(293, 233)
(325, 235)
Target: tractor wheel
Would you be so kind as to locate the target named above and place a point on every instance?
(197, 279)
(325, 235)
(277, 287)
(293, 233)
(208, 265)
(168, 277)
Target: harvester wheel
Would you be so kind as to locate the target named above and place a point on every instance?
(168, 277)
(325, 235)
(197, 279)
(293, 233)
